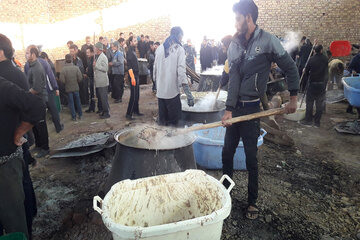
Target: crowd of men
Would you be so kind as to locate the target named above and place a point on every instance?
(212, 53)
(93, 71)
(89, 72)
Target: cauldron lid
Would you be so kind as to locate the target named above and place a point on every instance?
(153, 138)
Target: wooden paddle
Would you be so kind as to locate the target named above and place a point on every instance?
(217, 95)
(271, 112)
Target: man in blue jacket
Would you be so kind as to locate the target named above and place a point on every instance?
(117, 65)
(250, 55)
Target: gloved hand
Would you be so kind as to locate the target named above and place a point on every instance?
(189, 96)
(132, 77)
(191, 102)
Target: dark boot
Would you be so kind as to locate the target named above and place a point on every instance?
(91, 107)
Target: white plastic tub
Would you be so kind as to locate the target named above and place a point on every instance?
(298, 115)
(187, 205)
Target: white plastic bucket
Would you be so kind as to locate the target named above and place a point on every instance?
(187, 205)
(298, 115)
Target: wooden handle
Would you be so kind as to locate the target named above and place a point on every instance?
(217, 93)
(248, 117)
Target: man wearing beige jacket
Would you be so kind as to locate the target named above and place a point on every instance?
(101, 79)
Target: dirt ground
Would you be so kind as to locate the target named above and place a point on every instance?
(309, 191)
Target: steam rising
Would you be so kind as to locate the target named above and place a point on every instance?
(291, 41)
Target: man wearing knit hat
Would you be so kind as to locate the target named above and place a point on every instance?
(101, 79)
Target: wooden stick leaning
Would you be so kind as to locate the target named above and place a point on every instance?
(192, 74)
(303, 72)
(217, 95)
(271, 112)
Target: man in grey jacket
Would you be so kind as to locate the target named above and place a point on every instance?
(101, 79)
(37, 81)
(71, 76)
(169, 76)
(117, 65)
(250, 55)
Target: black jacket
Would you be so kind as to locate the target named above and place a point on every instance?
(142, 48)
(151, 59)
(16, 105)
(90, 68)
(304, 54)
(13, 74)
(132, 60)
(317, 71)
(206, 57)
(355, 64)
(222, 56)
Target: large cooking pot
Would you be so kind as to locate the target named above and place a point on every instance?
(135, 158)
(192, 115)
(210, 79)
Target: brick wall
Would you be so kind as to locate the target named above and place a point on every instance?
(326, 20)
(24, 21)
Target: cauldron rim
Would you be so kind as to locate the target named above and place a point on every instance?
(206, 111)
(217, 110)
(118, 133)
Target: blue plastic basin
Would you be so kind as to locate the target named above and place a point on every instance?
(208, 148)
(352, 90)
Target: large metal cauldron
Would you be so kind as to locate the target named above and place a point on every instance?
(136, 160)
(191, 116)
(210, 79)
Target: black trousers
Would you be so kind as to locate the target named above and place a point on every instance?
(30, 199)
(133, 106)
(111, 80)
(41, 135)
(169, 111)
(92, 94)
(249, 132)
(91, 87)
(319, 99)
(118, 86)
(51, 105)
(152, 78)
(84, 91)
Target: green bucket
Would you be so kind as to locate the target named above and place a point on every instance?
(14, 236)
(58, 105)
